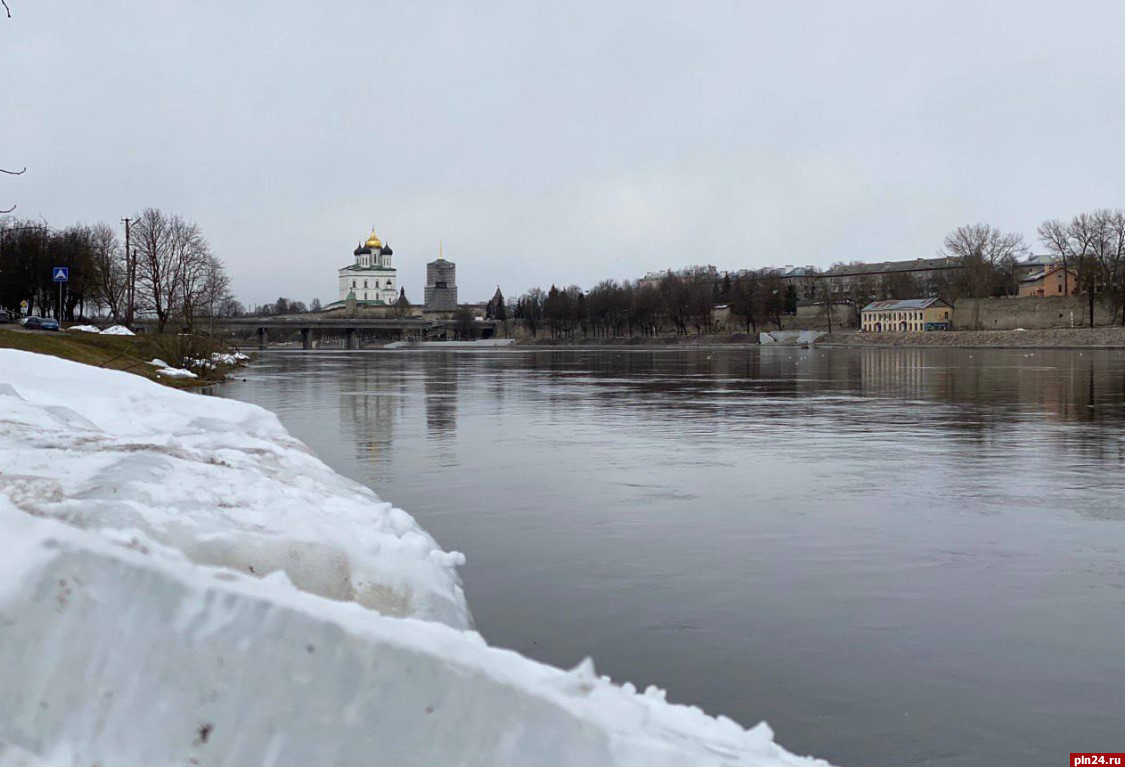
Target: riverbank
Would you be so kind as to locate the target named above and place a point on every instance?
(130, 354)
(170, 547)
(694, 339)
(1056, 338)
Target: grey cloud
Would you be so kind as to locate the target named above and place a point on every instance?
(562, 142)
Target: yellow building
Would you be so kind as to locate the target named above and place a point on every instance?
(911, 315)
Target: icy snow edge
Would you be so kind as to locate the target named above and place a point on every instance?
(117, 650)
(219, 480)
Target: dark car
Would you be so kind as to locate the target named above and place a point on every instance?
(40, 323)
(6, 316)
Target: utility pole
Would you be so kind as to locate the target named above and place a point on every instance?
(130, 277)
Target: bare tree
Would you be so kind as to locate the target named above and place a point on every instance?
(1077, 243)
(988, 256)
(530, 309)
(1055, 236)
(157, 273)
(176, 273)
(746, 300)
(1112, 257)
(231, 307)
(199, 270)
(464, 324)
(213, 289)
(109, 270)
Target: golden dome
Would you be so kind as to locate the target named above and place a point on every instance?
(373, 241)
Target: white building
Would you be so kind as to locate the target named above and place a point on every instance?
(371, 278)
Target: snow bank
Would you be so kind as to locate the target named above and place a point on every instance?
(175, 373)
(134, 629)
(120, 652)
(84, 328)
(220, 358)
(219, 480)
(118, 330)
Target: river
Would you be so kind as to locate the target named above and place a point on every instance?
(895, 556)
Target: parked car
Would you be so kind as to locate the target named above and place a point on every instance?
(39, 323)
(7, 316)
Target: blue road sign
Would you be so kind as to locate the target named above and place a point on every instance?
(62, 273)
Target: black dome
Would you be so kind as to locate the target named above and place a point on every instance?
(387, 250)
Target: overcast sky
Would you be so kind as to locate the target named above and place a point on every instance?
(564, 142)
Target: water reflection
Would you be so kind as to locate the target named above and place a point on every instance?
(881, 551)
(441, 374)
(1067, 385)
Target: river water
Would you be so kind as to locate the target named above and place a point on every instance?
(894, 556)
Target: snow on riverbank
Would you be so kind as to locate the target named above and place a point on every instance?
(132, 632)
(219, 480)
(170, 372)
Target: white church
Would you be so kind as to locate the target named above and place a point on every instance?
(371, 279)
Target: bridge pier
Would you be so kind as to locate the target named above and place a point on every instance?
(306, 338)
(349, 338)
(262, 338)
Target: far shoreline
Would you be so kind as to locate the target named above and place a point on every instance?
(1105, 338)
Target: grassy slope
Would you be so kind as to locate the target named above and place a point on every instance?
(129, 353)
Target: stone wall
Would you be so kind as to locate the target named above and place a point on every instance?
(390, 311)
(816, 318)
(808, 317)
(1028, 313)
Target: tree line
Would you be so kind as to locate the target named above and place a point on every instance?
(1093, 244)
(979, 261)
(168, 272)
(285, 305)
(681, 302)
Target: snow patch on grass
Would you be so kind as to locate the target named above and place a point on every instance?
(118, 330)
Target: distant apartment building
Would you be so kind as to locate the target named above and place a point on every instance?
(906, 316)
(653, 279)
(927, 274)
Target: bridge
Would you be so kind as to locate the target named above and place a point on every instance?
(347, 326)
